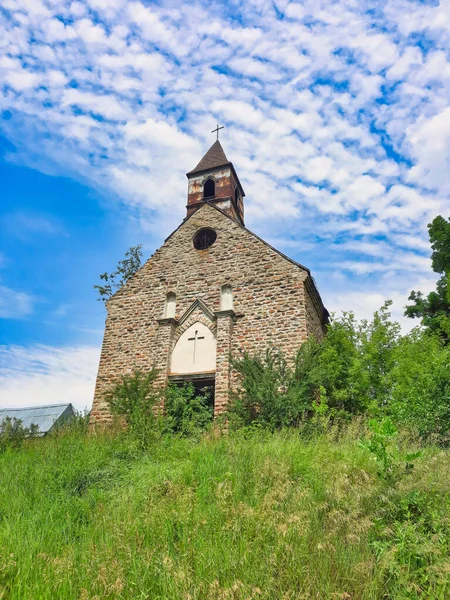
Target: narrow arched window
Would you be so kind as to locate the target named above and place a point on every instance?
(209, 188)
(226, 297)
(169, 309)
(236, 195)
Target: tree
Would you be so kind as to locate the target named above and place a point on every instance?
(126, 268)
(13, 433)
(345, 373)
(434, 309)
(420, 384)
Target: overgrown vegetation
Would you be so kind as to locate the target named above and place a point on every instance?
(359, 368)
(187, 412)
(149, 413)
(13, 433)
(247, 515)
(135, 400)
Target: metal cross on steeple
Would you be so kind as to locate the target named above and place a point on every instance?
(217, 130)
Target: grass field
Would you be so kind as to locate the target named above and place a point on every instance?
(270, 516)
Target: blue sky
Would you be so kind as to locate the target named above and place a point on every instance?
(337, 119)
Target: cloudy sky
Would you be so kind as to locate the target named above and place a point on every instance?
(337, 119)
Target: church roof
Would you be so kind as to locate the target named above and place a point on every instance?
(215, 157)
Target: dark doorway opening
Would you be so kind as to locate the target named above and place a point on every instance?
(204, 386)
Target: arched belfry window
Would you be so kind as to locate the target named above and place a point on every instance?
(209, 188)
(226, 297)
(236, 195)
(171, 303)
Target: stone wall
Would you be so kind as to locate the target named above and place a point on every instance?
(316, 316)
(271, 305)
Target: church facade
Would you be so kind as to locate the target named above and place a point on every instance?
(212, 290)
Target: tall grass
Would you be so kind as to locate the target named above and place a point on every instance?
(260, 516)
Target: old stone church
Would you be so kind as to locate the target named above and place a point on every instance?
(214, 288)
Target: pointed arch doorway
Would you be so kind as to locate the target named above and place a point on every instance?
(194, 360)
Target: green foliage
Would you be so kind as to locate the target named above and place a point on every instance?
(383, 432)
(344, 374)
(434, 309)
(439, 232)
(410, 540)
(187, 412)
(135, 398)
(268, 392)
(351, 363)
(359, 368)
(125, 269)
(266, 517)
(420, 384)
(13, 433)
(382, 444)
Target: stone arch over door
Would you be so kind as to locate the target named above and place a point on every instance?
(194, 350)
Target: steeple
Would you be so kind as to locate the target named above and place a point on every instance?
(214, 180)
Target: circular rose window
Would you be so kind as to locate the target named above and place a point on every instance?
(204, 238)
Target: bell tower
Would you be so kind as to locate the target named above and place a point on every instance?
(214, 180)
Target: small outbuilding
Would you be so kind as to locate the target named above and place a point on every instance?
(47, 418)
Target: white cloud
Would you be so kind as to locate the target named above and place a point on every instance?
(107, 106)
(22, 80)
(14, 304)
(430, 141)
(37, 375)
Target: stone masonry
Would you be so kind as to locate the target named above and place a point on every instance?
(275, 303)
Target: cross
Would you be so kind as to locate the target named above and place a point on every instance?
(194, 339)
(217, 130)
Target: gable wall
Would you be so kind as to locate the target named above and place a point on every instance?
(314, 319)
(268, 293)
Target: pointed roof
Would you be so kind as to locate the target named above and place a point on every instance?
(215, 157)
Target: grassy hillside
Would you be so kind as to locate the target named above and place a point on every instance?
(266, 516)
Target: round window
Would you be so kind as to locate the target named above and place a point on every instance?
(204, 238)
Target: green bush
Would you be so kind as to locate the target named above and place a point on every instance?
(185, 411)
(383, 445)
(346, 373)
(13, 433)
(359, 368)
(420, 384)
(135, 398)
(352, 362)
(267, 394)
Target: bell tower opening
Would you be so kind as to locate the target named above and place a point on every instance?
(209, 189)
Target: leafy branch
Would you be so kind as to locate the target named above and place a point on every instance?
(125, 269)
